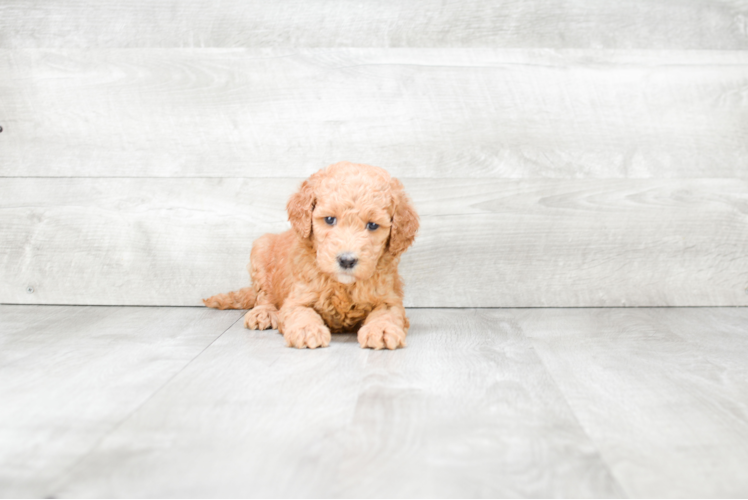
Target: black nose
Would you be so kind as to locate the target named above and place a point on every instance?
(347, 261)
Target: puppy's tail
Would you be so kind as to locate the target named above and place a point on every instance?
(241, 299)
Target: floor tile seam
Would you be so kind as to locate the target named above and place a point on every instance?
(603, 460)
(64, 476)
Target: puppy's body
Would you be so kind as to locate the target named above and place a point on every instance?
(336, 270)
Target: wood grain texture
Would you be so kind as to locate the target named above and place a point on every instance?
(466, 410)
(663, 393)
(693, 24)
(69, 376)
(431, 113)
(483, 243)
(248, 418)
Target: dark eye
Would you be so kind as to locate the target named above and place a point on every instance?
(331, 220)
(372, 226)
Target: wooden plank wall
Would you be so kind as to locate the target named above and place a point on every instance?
(588, 24)
(560, 153)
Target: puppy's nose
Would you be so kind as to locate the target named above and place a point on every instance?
(347, 260)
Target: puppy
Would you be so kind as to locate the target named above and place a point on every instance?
(336, 269)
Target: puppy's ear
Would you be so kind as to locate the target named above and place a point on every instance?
(404, 221)
(300, 207)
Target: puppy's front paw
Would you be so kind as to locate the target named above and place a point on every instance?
(261, 318)
(311, 335)
(381, 334)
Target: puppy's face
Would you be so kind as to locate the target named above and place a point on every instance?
(350, 235)
(352, 214)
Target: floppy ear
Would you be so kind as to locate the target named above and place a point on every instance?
(300, 207)
(404, 220)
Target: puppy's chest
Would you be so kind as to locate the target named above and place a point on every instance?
(341, 311)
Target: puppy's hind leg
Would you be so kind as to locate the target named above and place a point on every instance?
(262, 317)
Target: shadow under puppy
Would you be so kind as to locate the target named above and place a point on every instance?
(336, 269)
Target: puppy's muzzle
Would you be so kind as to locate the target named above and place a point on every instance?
(347, 260)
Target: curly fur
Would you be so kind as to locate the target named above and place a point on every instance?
(298, 284)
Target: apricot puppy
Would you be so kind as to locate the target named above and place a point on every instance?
(336, 269)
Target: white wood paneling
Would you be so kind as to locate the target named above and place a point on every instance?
(70, 376)
(662, 392)
(417, 112)
(487, 243)
(690, 24)
(467, 410)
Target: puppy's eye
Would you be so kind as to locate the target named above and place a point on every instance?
(331, 220)
(372, 226)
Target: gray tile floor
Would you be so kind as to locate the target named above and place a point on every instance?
(128, 401)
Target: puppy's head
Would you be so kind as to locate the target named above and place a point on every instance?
(352, 214)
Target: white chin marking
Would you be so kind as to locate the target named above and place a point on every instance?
(346, 279)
